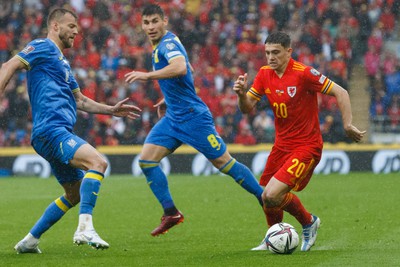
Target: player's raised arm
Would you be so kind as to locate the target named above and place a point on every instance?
(119, 110)
(7, 70)
(246, 104)
(343, 100)
(176, 68)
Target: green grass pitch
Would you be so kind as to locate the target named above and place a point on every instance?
(359, 214)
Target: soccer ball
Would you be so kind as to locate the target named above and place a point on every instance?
(282, 238)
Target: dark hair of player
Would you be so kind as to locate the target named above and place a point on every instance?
(58, 13)
(278, 38)
(153, 9)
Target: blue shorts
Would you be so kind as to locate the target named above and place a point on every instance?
(198, 132)
(58, 147)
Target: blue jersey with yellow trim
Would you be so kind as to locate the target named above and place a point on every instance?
(180, 95)
(50, 86)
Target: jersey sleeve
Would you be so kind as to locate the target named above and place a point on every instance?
(73, 85)
(171, 49)
(317, 81)
(33, 53)
(257, 90)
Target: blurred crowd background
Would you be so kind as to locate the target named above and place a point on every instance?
(223, 38)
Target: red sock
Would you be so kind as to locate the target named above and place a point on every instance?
(273, 215)
(293, 205)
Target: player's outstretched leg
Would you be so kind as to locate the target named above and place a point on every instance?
(53, 213)
(310, 233)
(158, 183)
(244, 177)
(85, 233)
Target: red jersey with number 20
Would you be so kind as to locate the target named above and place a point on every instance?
(293, 99)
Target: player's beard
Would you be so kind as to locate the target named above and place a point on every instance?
(65, 39)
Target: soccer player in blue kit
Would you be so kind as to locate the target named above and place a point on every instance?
(54, 96)
(187, 119)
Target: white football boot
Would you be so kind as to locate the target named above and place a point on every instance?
(262, 246)
(310, 234)
(28, 245)
(91, 238)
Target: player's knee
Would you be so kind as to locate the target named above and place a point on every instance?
(222, 161)
(100, 164)
(270, 199)
(73, 197)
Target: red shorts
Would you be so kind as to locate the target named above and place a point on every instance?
(293, 168)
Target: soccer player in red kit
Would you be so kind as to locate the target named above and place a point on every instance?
(291, 89)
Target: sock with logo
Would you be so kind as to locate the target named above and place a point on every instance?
(244, 177)
(293, 205)
(51, 215)
(158, 183)
(89, 190)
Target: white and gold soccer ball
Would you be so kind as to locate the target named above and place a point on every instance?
(282, 238)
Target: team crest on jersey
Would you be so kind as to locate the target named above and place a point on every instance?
(291, 90)
(315, 72)
(170, 46)
(28, 49)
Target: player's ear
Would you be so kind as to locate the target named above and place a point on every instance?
(55, 25)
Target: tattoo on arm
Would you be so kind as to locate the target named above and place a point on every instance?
(83, 102)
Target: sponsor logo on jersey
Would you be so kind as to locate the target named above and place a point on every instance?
(291, 90)
(28, 49)
(170, 46)
(279, 92)
(315, 72)
(71, 142)
(268, 91)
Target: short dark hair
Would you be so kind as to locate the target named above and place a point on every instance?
(153, 9)
(279, 38)
(58, 13)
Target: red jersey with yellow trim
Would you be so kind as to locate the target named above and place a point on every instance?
(293, 99)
